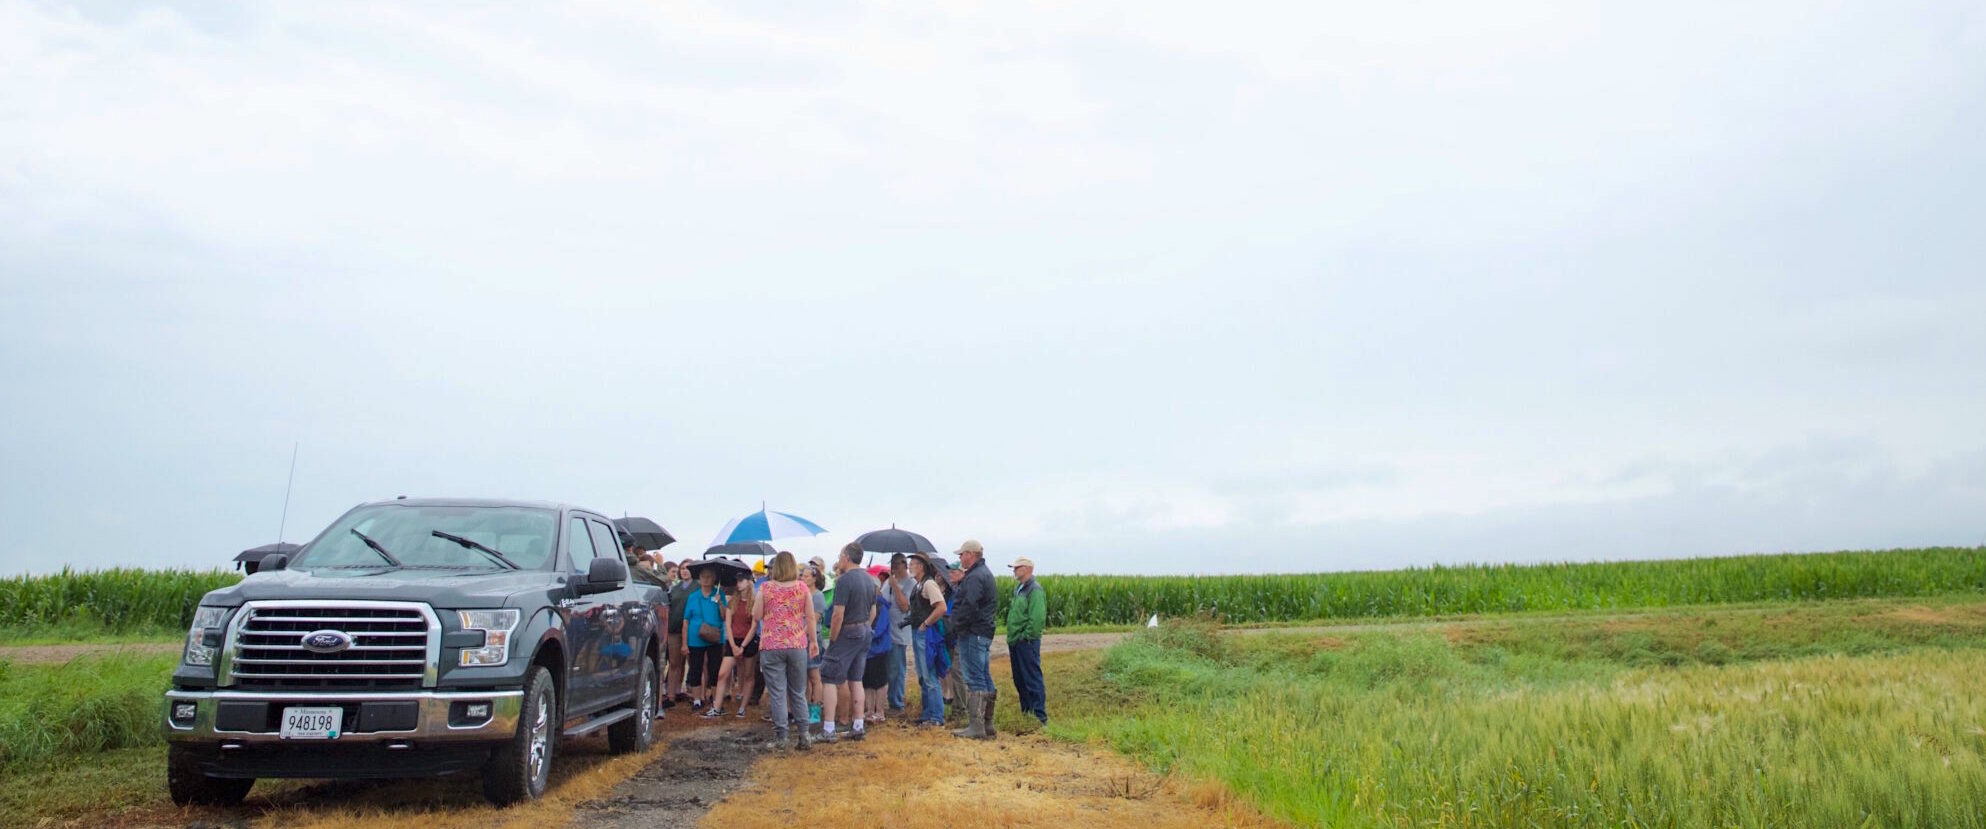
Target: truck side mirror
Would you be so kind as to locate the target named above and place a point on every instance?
(603, 575)
(272, 563)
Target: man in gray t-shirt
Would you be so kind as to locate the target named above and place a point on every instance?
(851, 616)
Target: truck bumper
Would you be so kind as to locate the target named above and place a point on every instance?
(385, 734)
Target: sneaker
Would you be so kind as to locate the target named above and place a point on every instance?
(741, 714)
(696, 705)
(713, 713)
(805, 742)
(858, 736)
(828, 737)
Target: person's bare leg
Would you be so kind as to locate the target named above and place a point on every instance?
(827, 706)
(852, 699)
(723, 679)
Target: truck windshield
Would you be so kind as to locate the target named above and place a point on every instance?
(520, 534)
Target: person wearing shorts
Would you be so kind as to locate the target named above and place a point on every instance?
(851, 615)
(679, 652)
(818, 580)
(876, 673)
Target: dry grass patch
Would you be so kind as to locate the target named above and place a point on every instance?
(929, 778)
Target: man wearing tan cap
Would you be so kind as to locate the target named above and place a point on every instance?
(974, 603)
(1027, 614)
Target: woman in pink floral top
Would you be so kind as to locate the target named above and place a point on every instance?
(785, 609)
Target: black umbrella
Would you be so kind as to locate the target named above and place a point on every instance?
(894, 540)
(643, 533)
(251, 558)
(741, 548)
(728, 570)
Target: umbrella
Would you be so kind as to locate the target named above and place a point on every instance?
(728, 570)
(894, 540)
(251, 558)
(644, 533)
(742, 548)
(765, 525)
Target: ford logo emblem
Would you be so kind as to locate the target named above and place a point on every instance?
(326, 641)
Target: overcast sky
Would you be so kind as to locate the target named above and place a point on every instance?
(1121, 286)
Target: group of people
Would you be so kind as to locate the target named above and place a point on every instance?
(830, 647)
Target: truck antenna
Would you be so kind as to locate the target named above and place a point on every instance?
(284, 523)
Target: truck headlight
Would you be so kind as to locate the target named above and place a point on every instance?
(203, 638)
(496, 626)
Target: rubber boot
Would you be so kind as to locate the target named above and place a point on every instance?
(986, 714)
(975, 728)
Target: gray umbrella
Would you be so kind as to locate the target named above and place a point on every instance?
(251, 558)
(741, 548)
(643, 533)
(894, 540)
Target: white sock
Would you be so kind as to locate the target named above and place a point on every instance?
(857, 725)
(827, 726)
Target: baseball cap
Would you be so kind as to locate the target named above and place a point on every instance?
(970, 546)
(758, 566)
(878, 570)
(1021, 562)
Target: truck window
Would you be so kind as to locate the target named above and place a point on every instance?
(605, 543)
(579, 544)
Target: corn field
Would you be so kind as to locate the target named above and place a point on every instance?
(120, 600)
(1499, 588)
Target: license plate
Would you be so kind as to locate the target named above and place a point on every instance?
(312, 723)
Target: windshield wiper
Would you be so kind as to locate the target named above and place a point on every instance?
(377, 548)
(473, 544)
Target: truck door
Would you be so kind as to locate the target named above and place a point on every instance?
(584, 629)
(623, 622)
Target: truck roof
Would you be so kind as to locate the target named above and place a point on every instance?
(477, 502)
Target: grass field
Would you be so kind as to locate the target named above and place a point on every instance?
(84, 706)
(1841, 714)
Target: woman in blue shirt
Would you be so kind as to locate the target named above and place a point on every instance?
(705, 607)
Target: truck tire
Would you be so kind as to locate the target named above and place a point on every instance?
(189, 787)
(520, 769)
(637, 733)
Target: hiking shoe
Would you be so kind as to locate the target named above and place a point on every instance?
(828, 738)
(858, 736)
(805, 743)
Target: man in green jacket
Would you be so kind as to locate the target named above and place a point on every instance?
(1027, 614)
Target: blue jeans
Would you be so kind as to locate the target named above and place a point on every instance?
(929, 686)
(896, 675)
(1024, 656)
(976, 656)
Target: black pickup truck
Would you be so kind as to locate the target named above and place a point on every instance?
(418, 637)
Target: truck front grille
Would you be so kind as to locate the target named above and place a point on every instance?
(393, 646)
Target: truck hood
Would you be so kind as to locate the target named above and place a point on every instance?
(442, 589)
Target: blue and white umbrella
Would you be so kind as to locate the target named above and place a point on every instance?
(765, 525)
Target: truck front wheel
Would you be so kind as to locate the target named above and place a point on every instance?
(190, 787)
(520, 769)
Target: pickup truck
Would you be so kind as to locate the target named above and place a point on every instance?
(418, 637)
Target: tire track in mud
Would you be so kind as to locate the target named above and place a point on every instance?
(696, 770)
